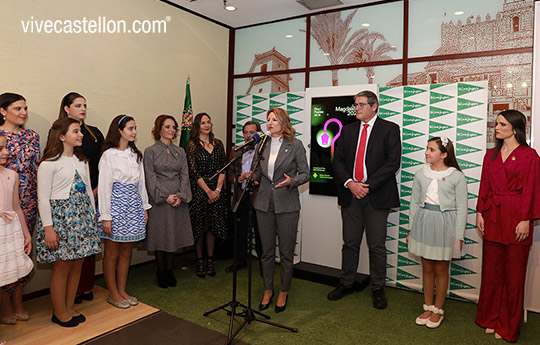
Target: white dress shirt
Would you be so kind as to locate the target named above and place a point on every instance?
(119, 166)
(54, 180)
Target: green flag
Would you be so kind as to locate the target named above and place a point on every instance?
(187, 117)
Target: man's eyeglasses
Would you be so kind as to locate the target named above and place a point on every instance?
(361, 105)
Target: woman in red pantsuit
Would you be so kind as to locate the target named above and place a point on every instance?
(508, 203)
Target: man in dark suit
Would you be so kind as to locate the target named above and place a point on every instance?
(367, 157)
(238, 174)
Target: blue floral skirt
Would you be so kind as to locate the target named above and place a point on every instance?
(128, 222)
(74, 221)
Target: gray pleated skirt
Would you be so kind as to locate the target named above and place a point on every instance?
(432, 233)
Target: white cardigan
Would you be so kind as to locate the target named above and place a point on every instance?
(54, 181)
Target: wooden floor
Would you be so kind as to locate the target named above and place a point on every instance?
(101, 317)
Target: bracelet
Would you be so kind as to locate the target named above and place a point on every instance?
(218, 189)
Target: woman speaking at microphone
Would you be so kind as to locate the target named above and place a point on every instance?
(282, 169)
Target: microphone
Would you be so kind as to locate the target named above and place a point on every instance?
(261, 146)
(255, 139)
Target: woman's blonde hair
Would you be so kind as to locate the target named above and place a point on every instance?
(287, 130)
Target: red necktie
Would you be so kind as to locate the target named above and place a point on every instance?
(359, 164)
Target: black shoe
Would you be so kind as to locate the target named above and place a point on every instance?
(171, 280)
(78, 299)
(162, 280)
(279, 309)
(79, 318)
(87, 296)
(239, 266)
(210, 270)
(379, 299)
(70, 323)
(265, 306)
(201, 269)
(339, 292)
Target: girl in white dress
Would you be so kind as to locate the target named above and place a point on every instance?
(123, 202)
(437, 217)
(15, 244)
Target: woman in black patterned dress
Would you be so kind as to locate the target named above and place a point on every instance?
(206, 155)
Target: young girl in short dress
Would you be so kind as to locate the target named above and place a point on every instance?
(123, 202)
(67, 228)
(437, 216)
(15, 244)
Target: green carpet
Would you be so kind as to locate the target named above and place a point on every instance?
(352, 320)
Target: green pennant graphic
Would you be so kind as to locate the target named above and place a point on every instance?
(471, 196)
(464, 149)
(389, 266)
(389, 280)
(240, 117)
(258, 120)
(291, 97)
(386, 113)
(256, 111)
(385, 99)
(463, 134)
(403, 218)
(404, 275)
(471, 180)
(467, 240)
(273, 95)
(459, 285)
(466, 257)
(409, 134)
(435, 97)
(470, 226)
(389, 238)
(435, 86)
(408, 162)
(408, 148)
(406, 176)
(239, 138)
(405, 191)
(402, 247)
(471, 211)
(388, 224)
(404, 204)
(389, 252)
(239, 97)
(238, 128)
(467, 88)
(403, 232)
(457, 270)
(463, 103)
(410, 105)
(410, 120)
(463, 164)
(403, 261)
(404, 287)
(240, 105)
(295, 122)
(458, 297)
(298, 134)
(411, 91)
(437, 127)
(463, 119)
(275, 104)
(384, 88)
(258, 99)
(435, 112)
(292, 110)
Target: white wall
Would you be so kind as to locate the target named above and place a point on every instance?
(143, 75)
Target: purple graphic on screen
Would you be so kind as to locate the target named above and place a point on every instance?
(325, 137)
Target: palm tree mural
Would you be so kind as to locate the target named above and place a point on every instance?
(366, 52)
(332, 35)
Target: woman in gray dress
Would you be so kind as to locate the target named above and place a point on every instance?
(169, 191)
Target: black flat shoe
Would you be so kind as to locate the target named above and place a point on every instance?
(171, 280)
(78, 299)
(162, 279)
(279, 309)
(70, 323)
(265, 306)
(79, 318)
(88, 296)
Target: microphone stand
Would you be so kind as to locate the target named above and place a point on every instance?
(233, 304)
(249, 313)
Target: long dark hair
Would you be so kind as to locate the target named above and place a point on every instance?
(67, 101)
(7, 99)
(450, 160)
(518, 122)
(55, 146)
(196, 130)
(112, 140)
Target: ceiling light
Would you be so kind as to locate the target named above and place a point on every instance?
(524, 84)
(509, 85)
(288, 36)
(366, 24)
(459, 13)
(228, 7)
(326, 54)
